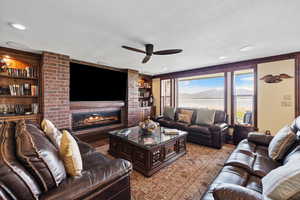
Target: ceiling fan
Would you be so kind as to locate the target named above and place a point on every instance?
(149, 51)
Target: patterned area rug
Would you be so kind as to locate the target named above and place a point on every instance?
(185, 179)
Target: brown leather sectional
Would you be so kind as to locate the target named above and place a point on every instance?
(242, 173)
(208, 135)
(102, 178)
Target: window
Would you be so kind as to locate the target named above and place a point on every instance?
(166, 89)
(205, 91)
(243, 96)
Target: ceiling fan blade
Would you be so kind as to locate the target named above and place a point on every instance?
(146, 59)
(133, 49)
(167, 52)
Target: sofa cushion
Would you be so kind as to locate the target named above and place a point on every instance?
(181, 126)
(205, 116)
(281, 143)
(15, 180)
(70, 154)
(199, 129)
(263, 165)
(241, 159)
(39, 155)
(231, 191)
(51, 132)
(169, 113)
(283, 182)
(228, 174)
(92, 179)
(255, 161)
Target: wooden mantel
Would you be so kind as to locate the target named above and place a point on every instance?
(83, 105)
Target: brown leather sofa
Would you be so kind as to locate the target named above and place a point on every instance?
(208, 135)
(102, 178)
(242, 173)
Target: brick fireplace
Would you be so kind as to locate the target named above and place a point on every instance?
(57, 107)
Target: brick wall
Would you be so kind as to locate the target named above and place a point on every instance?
(132, 103)
(55, 82)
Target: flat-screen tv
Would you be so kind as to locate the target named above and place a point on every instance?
(89, 83)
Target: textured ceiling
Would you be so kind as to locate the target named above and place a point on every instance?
(94, 30)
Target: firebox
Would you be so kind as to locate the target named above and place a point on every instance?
(95, 119)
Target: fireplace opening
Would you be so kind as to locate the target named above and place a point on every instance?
(95, 119)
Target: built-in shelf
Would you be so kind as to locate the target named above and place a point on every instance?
(19, 77)
(12, 96)
(20, 64)
(14, 117)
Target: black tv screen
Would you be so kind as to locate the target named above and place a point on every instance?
(96, 84)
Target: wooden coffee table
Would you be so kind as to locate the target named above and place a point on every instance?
(147, 152)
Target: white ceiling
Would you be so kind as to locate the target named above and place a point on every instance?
(94, 30)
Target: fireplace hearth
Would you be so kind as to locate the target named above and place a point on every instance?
(88, 120)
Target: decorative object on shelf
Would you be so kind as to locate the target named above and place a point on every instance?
(148, 126)
(275, 78)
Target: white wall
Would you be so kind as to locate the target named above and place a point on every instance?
(275, 101)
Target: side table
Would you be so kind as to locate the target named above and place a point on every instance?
(241, 132)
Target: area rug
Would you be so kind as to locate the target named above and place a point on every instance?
(185, 179)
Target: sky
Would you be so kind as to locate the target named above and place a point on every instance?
(242, 81)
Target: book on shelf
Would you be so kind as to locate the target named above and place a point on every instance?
(23, 90)
(28, 72)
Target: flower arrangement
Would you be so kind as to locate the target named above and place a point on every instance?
(148, 125)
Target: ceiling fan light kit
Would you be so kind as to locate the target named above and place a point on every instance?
(149, 51)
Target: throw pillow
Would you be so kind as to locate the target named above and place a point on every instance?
(39, 155)
(205, 116)
(70, 153)
(184, 118)
(282, 182)
(189, 115)
(281, 143)
(169, 113)
(14, 177)
(51, 132)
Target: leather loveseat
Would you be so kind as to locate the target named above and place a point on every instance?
(208, 135)
(102, 178)
(241, 175)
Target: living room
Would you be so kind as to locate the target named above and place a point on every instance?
(149, 100)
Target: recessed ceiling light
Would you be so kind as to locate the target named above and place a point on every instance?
(165, 69)
(246, 48)
(18, 26)
(222, 57)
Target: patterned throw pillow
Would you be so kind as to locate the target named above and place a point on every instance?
(281, 143)
(185, 116)
(51, 132)
(70, 153)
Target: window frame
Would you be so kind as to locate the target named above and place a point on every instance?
(232, 104)
(225, 87)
